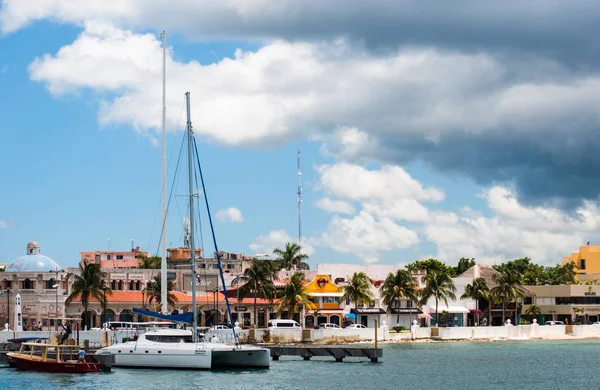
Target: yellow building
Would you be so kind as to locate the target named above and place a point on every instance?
(326, 296)
(587, 261)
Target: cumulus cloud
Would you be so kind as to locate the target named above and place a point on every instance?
(277, 239)
(366, 236)
(231, 214)
(335, 206)
(472, 25)
(388, 192)
(512, 231)
(526, 121)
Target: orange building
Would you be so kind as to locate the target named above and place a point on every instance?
(587, 261)
(326, 296)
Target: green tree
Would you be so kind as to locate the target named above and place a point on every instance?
(291, 257)
(153, 291)
(463, 265)
(438, 284)
(294, 295)
(561, 274)
(508, 289)
(258, 281)
(477, 290)
(432, 265)
(519, 266)
(146, 262)
(533, 311)
(89, 284)
(398, 286)
(358, 289)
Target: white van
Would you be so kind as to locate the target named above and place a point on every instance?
(283, 324)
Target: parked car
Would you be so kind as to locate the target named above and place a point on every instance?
(554, 323)
(329, 325)
(356, 326)
(283, 324)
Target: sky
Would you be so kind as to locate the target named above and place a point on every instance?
(425, 129)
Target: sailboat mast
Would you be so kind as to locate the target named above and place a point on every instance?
(163, 244)
(190, 135)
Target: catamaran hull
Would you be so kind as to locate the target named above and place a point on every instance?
(241, 358)
(149, 358)
(62, 367)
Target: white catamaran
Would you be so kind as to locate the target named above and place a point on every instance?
(176, 348)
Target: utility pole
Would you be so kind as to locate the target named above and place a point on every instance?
(299, 205)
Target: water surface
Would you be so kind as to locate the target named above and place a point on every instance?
(449, 365)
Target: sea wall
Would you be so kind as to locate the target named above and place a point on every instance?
(278, 335)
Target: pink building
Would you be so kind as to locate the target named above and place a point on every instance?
(114, 259)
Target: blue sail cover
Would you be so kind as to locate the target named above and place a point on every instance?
(187, 318)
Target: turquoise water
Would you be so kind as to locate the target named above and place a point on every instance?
(448, 365)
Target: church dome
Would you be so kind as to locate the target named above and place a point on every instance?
(33, 261)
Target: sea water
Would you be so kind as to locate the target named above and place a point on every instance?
(461, 365)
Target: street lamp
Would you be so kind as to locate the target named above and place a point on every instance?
(56, 271)
(8, 306)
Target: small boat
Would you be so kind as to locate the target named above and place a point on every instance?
(52, 358)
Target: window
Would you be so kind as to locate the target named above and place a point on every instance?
(131, 285)
(330, 300)
(528, 301)
(230, 266)
(50, 283)
(7, 284)
(108, 257)
(120, 285)
(201, 265)
(582, 264)
(409, 303)
(113, 285)
(215, 266)
(372, 304)
(137, 285)
(119, 257)
(27, 284)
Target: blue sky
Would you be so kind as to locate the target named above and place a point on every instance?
(411, 147)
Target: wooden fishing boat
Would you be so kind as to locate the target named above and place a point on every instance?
(52, 358)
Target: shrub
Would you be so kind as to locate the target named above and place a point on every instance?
(524, 322)
(398, 329)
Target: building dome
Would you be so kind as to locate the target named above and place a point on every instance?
(33, 261)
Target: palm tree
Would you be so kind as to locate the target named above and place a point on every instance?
(491, 300)
(149, 262)
(358, 290)
(257, 280)
(476, 291)
(533, 311)
(290, 257)
(153, 291)
(438, 284)
(396, 287)
(294, 295)
(508, 290)
(89, 284)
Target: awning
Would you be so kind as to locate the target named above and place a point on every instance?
(451, 309)
(425, 315)
(187, 318)
(406, 310)
(331, 294)
(368, 310)
(475, 311)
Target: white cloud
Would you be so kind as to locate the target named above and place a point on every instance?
(278, 239)
(285, 88)
(230, 214)
(388, 192)
(3, 224)
(366, 236)
(545, 234)
(335, 206)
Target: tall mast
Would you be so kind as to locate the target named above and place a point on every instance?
(190, 135)
(163, 256)
(299, 204)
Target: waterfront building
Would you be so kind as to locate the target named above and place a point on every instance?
(586, 261)
(573, 303)
(325, 296)
(114, 259)
(42, 284)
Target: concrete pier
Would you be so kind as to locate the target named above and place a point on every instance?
(339, 353)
